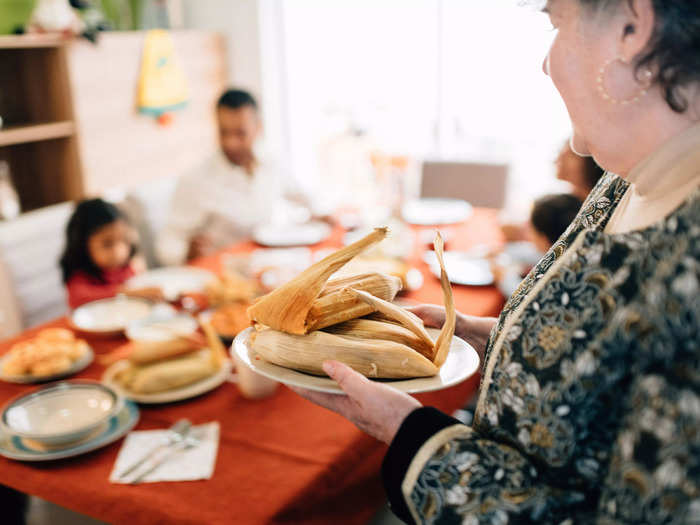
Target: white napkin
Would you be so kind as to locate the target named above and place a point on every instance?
(185, 465)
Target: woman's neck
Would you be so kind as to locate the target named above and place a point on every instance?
(646, 131)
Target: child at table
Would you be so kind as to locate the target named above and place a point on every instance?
(550, 217)
(99, 256)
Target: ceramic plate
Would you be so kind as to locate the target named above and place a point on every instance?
(428, 212)
(173, 281)
(78, 365)
(109, 316)
(176, 394)
(292, 235)
(462, 362)
(462, 268)
(14, 447)
(155, 328)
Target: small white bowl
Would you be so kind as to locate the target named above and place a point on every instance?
(61, 413)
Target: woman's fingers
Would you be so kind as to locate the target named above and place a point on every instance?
(374, 408)
(433, 316)
(335, 402)
(353, 384)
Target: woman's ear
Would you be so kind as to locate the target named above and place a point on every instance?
(639, 22)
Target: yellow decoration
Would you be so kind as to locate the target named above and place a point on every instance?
(162, 83)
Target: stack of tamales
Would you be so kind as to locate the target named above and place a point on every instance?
(312, 319)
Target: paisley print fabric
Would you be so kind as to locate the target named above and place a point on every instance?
(589, 409)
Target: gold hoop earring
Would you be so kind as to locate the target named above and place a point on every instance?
(607, 96)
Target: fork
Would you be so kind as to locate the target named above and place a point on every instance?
(176, 434)
(189, 442)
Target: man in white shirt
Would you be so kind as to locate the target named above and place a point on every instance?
(223, 200)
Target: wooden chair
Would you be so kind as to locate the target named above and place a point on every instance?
(482, 185)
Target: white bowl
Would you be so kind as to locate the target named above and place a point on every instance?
(61, 413)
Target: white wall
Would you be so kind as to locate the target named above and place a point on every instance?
(254, 49)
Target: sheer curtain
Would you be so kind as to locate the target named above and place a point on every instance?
(446, 79)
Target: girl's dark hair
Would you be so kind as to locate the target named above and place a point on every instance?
(552, 214)
(673, 52)
(88, 217)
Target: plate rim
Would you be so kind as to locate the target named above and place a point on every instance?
(327, 231)
(78, 366)
(108, 437)
(240, 350)
(469, 211)
(183, 393)
(110, 331)
(208, 274)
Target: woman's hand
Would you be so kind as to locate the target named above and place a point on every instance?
(374, 408)
(474, 330)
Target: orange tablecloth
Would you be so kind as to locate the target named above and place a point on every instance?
(281, 460)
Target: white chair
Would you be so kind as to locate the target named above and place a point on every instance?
(482, 185)
(147, 208)
(31, 289)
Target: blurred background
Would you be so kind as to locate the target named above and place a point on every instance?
(365, 104)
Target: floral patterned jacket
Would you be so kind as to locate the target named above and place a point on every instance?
(589, 407)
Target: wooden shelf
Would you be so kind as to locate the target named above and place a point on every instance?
(36, 132)
(31, 41)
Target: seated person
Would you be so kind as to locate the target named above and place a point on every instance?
(220, 202)
(100, 255)
(550, 217)
(581, 172)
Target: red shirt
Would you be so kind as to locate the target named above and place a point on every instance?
(83, 288)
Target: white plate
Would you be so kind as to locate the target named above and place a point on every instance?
(462, 362)
(14, 447)
(112, 315)
(78, 365)
(292, 235)
(176, 394)
(462, 268)
(428, 212)
(173, 281)
(155, 328)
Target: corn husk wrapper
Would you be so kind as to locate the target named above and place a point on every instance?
(145, 352)
(391, 343)
(444, 341)
(287, 308)
(369, 329)
(399, 315)
(373, 358)
(166, 375)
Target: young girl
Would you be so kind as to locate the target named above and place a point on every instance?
(99, 254)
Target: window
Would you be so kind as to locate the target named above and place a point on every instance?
(448, 79)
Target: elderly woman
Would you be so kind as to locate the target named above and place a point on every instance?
(589, 410)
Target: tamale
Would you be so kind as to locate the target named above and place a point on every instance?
(398, 314)
(168, 374)
(444, 341)
(393, 344)
(287, 307)
(334, 305)
(373, 358)
(369, 329)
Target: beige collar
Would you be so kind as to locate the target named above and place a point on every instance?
(674, 164)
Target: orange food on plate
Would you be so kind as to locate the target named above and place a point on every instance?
(230, 319)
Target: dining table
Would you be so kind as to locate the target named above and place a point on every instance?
(280, 460)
